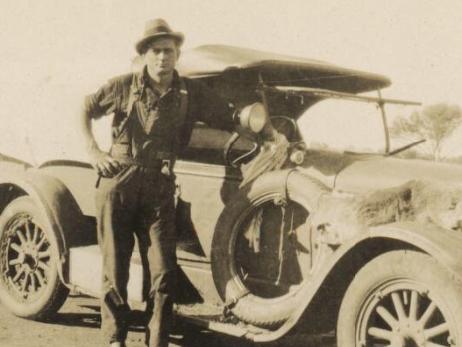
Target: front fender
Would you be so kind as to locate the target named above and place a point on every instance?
(60, 212)
(442, 244)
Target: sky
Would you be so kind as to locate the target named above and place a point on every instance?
(55, 52)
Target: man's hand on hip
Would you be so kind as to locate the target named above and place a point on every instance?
(104, 163)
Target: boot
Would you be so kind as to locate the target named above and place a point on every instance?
(159, 321)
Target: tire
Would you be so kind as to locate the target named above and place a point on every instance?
(401, 298)
(250, 279)
(30, 286)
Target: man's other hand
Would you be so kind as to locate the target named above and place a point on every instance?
(104, 163)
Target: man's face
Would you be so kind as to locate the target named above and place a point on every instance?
(161, 56)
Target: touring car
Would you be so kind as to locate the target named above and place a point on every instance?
(264, 250)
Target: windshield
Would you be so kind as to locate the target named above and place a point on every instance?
(344, 125)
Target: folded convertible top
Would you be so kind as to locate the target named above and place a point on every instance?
(224, 64)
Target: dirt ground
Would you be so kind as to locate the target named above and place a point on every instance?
(77, 325)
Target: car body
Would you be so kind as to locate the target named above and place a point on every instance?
(274, 292)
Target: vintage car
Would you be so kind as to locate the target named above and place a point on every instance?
(269, 243)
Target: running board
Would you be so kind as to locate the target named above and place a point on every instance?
(223, 328)
(209, 317)
(212, 318)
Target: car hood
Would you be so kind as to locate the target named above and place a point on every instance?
(378, 173)
(356, 173)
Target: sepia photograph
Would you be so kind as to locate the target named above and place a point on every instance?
(189, 173)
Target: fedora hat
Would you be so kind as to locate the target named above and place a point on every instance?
(157, 28)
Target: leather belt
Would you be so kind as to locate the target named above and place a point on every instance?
(156, 162)
(152, 163)
(153, 159)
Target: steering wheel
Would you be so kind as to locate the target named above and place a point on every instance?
(239, 160)
(286, 126)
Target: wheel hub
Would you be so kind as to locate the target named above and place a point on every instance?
(409, 334)
(410, 342)
(31, 261)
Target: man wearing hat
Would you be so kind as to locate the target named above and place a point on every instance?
(154, 113)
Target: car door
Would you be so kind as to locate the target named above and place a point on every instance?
(205, 184)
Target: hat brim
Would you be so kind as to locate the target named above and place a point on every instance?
(139, 46)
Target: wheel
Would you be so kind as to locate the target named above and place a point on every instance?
(399, 299)
(30, 286)
(262, 251)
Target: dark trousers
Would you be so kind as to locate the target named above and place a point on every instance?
(137, 202)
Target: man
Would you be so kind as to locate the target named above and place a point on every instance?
(154, 112)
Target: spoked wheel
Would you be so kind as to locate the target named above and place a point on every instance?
(404, 316)
(401, 299)
(29, 282)
(27, 257)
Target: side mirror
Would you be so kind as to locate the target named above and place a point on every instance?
(253, 117)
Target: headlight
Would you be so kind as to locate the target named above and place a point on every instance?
(253, 117)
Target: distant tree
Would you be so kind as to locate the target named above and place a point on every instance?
(435, 123)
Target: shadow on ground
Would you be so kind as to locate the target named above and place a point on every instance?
(81, 314)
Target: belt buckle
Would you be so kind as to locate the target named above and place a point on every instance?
(166, 166)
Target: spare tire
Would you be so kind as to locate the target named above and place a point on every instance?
(262, 251)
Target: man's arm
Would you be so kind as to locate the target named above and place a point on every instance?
(103, 102)
(100, 160)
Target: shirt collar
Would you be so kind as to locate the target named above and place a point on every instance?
(142, 81)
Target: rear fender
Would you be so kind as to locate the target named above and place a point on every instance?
(60, 212)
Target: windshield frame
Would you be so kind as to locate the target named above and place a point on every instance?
(324, 94)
